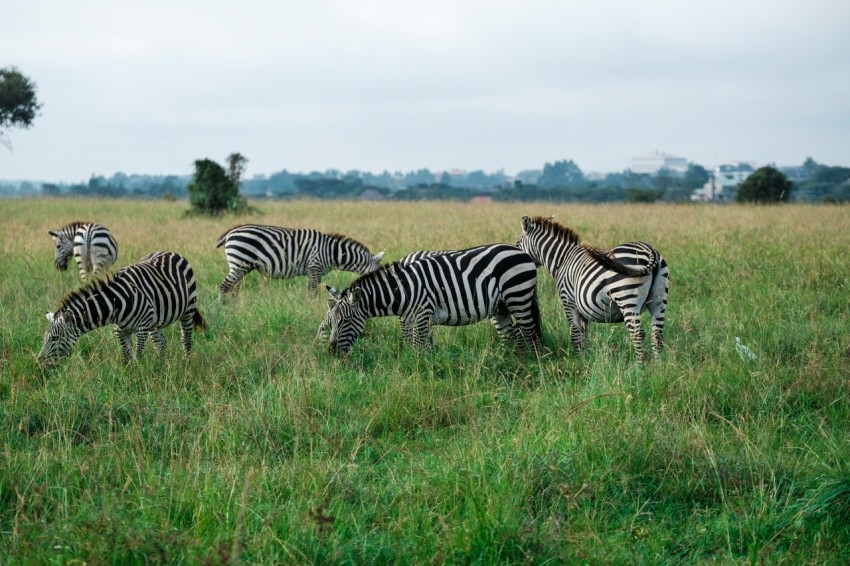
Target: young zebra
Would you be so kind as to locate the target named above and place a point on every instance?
(142, 298)
(287, 252)
(93, 247)
(600, 286)
(453, 289)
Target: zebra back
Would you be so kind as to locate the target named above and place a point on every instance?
(95, 249)
(289, 252)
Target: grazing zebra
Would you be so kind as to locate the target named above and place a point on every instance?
(142, 298)
(322, 334)
(600, 286)
(288, 252)
(453, 289)
(92, 246)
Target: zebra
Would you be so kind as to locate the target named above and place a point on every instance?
(322, 334)
(142, 298)
(289, 252)
(601, 286)
(453, 289)
(92, 245)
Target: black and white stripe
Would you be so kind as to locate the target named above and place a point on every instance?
(142, 298)
(92, 245)
(451, 288)
(601, 286)
(288, 252)
(322, 334)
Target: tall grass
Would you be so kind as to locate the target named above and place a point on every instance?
(263, 448)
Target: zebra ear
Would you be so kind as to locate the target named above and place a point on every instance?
(526, 223)
(49, 316)
(354, 296)
(333, 293)
(52, 233)
(378, 256)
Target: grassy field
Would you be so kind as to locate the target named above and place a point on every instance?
(263, 448)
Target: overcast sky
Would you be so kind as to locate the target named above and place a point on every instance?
(148, 87)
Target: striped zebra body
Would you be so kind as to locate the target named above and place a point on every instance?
(140, 299)
(92, 245)
(601, 286)
(406, 333)
(452, 289)
(287, 252)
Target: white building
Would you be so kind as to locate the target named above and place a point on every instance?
(722, 185)
(654, 162)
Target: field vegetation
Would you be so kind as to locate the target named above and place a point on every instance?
(263, 448)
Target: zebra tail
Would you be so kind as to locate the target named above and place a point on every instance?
(614, 264)
(198, 320)
(223, 238)
(535, 314)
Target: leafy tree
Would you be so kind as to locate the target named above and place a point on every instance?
(766, 185)
(832, 175)
(695, 177)
(212, 191)
(563, 173)
(236, 164)
(18, 103)
(811, 166)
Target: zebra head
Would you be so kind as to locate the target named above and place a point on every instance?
(59, 338)
(374, 263)
(345, 318)
(64, 249)
(528, 238)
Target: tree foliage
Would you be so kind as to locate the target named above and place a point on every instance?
(18, 103)
(236, 164)
(766, 185)
(213, 191)
(561, 174)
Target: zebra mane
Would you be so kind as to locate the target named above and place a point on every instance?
(342, 238)
(385, 270)
(84, 293)
(75, 224)
(559, 231)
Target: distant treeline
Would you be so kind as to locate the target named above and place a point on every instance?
(561, 181)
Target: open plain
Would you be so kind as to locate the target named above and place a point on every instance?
(263, 448)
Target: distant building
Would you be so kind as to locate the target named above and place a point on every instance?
(652, 163)
(723, 182)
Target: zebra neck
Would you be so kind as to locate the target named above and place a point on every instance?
(386, 296)
(99, 308)
(557, 257)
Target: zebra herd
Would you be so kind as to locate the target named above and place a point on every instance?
(423, 289)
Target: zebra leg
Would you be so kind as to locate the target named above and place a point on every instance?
(314, 277)
(504, 324)
(83, 272)
(187, 326)
(158, 339)
(141, 340)
(232, 281)
(635, 328)
(578, 326)
(422, 335)
(124, 342)
(658, 308)
(407, 329)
